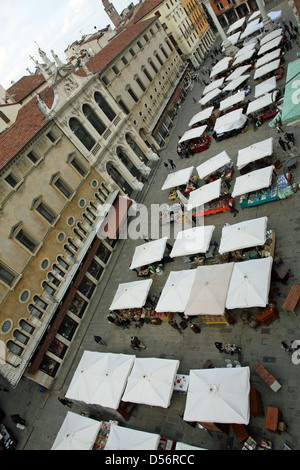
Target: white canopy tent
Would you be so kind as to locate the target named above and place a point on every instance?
(254, 15)
(219, 395)
(275, 15)
(236, 82)
(151, 381)
(213, 164)
(252, 27)
(232, 100)
(206, 193)
(269, 67)
(192, 240)
(243, 235)
(209, 290)
(230, 121)
(245, 56)
(201, 116)
(245, 49)
(177, 178)
(121, 438)
(259, 103)
(270, 36)
(233, 38)
(210, 96)
(176, 291)
(148, 253)
(131, 295)
(268, 46)
(236, 25)
(76, 433)
(220, 66)
(184, 446)
(254, 152)
(265, 87)
(192, 133)
(238, 72)
(253, 181)
(250, 284)
(100, 378)
(215, 84)
(268, 58)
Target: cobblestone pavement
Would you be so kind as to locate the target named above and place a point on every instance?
(45, 414)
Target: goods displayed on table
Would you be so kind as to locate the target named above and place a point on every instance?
(171, 214)
(217, 205)
(103, 433)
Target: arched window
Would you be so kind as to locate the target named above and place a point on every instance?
(81, 133)
(102, 103)
(93, 119)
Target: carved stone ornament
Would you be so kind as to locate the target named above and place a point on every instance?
(70, 86)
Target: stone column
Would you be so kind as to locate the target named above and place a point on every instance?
(268, 23)
(230, 49)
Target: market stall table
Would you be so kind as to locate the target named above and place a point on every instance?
(292, 299)
(195, 140)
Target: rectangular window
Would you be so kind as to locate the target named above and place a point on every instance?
(46, 212)
(132, 52)
(146, 38)
(105, 80)
(32, 157)
(78, 166)
(133, 95)
(115, 69)
(123, 106)
(27, 240)
(140, 45)
(11, 180)
(147, 74)
(153, 66)
(63, 187)
(140, 83)
(6, 275)
(159, 59)
(124, 60)
(51, 136)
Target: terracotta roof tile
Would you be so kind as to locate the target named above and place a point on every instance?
(30, 121)
(144, 9)
(25, 86)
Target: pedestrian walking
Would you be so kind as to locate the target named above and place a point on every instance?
(195, 328)
(278, 127)
(289, 137)
(282, 144)
(167, 166)
(16, 418)
(171, 163)
(136, 344)
(286, 347)
(99, 340)
(174, 324)
(226, 183)
(219, 346)
(2, 389)
(233, 210)
(65, 401)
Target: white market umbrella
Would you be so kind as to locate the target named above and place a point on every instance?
(236, 25)
(220, 66)
(245, 56)
(253, 181)
(232, 100)
(236, 83)
(201, 116)
(151, 381)
(265, 87)
(254, 152)
(209, 290)
(260, 103)
(178, 178)
(268, 46)
(245, 49)
(76, 433)
(184, 446)
(275, 15)
(252, 28)
(270, 36)
(176, 291)
(100, 378)
(210, 96)
(219, 395)
(233, 38)
(238, 72)
(250, 284)
(230, 121)
(254, 15)
(269, 67)
(192, 133)
(215, 84)
(206, 193)
(131, 295)
(121, 438)
(268, 58)
(193, 240)
(148, 253)
(213, 164)
(243, 235)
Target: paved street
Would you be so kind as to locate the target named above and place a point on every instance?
(45, 414)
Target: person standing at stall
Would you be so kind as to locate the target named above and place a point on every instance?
(233, 210)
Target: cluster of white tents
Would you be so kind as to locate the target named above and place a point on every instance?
(213, 395)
